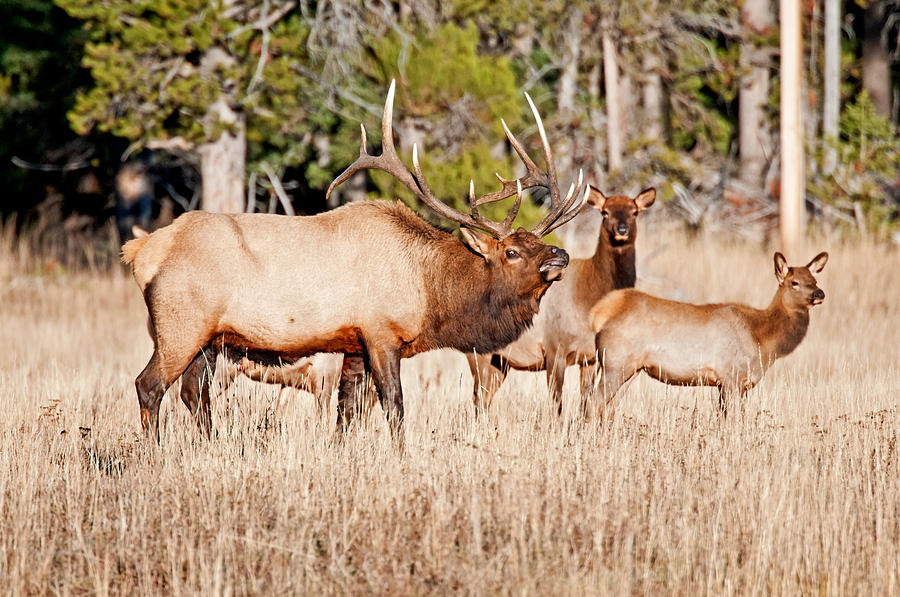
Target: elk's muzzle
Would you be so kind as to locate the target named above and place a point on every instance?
(553, 267)
(818, 296)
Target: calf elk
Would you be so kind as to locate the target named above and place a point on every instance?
(371, 280)
(318, 375)
(727, 345)
(562, 335)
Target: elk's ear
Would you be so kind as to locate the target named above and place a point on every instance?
(595, 198)
(818, 262)
(479, 242)
(781, 267)
(646, 198)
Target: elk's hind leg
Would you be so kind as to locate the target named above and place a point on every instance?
(195, 384)
(150, 390)
(151, 385)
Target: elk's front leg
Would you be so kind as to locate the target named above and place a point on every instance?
(588, 379)
(555, 366)
(488, 371)
(384, 362)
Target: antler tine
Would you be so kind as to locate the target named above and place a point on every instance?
(507, 222)
(388, 161)
(548, 153)
(568, 215)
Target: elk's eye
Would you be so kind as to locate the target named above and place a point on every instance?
(634, 213)
(512, 254)
(604, 213)
(795, 284)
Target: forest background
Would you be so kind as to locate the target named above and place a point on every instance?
(227, 105)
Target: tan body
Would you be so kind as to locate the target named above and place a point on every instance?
(561, 334)
(727, 345)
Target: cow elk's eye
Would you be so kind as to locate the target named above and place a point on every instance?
(512, 254)
(604, 213)
(795, 284)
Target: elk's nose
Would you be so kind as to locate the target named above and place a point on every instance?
(554, 250)
(819, 295)
(622, 228)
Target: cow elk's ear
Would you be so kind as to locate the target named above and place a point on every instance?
(781, 267)
(818, 262)
(596, 198)
(646, 198)
(479, 242)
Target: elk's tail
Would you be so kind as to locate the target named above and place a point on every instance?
(132, 247)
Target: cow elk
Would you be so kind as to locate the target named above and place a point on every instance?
(562, 335)
(726, 345)
(370, 279)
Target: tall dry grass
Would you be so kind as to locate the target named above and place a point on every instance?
(799, 495)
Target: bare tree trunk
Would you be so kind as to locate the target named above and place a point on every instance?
(754, 137)
(614, 137)
(876, 71)
(569, 76)
(567, 87)
(597, 124)
(832, 91)
(792, 172)
(653, 97)
(222, 160)
(222, 164)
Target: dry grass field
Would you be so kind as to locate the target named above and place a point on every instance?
(798, 495)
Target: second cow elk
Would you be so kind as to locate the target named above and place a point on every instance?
(562, 334)
(371, 280)
(726, 345)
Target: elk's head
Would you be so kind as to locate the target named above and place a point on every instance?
(797, 284)
(516, 256)
(620, 214)
(520, 259)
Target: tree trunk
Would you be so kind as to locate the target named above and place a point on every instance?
(832, 100)
(222, 164)
(876, 71)
(614, 136)
(792, 173)
(597, 124)
(753, 137)
(567, 87)
(653, 97)
(569, 76)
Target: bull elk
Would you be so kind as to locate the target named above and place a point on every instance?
(371, 280)
(726, 345)
(562, 335)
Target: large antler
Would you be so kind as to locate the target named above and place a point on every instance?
(390, 162)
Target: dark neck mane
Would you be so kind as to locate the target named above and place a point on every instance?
(467, 308)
